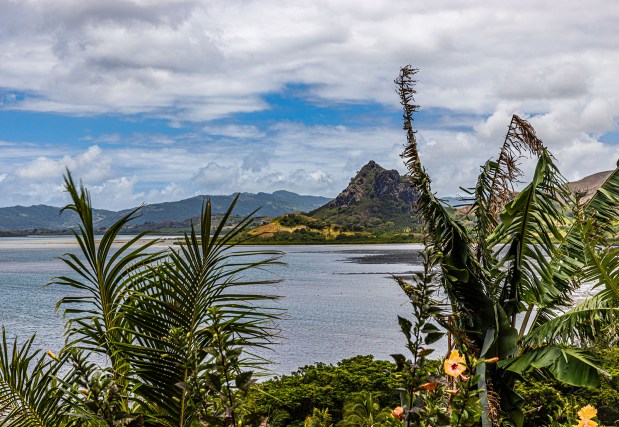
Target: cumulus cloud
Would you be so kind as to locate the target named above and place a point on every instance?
(194, 62)
(92, 165)
(215, 177)
(192, 58)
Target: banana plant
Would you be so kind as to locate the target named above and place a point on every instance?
(510, 279)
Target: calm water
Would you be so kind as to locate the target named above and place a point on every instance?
(340, 299)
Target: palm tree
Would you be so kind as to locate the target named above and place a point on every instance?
(363, 411)
(518, 265)
(179, 329)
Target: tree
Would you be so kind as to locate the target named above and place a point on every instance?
(517, 264)
(179, 329)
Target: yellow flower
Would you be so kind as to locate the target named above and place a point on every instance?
(585, 414)
(455, 364)
(51, 354)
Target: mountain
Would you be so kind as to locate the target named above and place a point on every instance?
(376, 206)
(49, 218)
(589, 184)
(45, 217)
(374, 197)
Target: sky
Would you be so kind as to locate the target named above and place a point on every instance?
(148, 101)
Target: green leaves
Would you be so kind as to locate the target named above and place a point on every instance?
(30, 395)
(178, 326)
(570, 365)
(519, 263)
(96, 316)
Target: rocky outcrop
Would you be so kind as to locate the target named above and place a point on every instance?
(375, 182)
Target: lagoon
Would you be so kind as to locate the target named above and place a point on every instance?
(340, 300)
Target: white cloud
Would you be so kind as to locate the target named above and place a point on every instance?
(215, 178)
(195, 59)
(91, 165)
(190, 60)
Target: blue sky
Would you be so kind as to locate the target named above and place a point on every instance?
(151, 100)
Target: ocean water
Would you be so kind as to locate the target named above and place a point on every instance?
(340, 300)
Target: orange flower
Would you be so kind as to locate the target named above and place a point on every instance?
(585, 414)
(51, 354)
(429, 386)
(455, 364)
(398, 412)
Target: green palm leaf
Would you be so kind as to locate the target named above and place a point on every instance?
(30, 394)
(103, 277)
(172, 314)
(569, 365)
(581, 324)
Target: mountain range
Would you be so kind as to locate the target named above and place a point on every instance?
(376, 201)
(182, 211)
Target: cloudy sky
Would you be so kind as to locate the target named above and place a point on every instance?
(153, 100)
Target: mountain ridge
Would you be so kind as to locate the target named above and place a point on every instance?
(49, 218)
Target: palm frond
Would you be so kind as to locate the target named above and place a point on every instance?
(580, 325)
(570, 365)
(577, 258)
(103, 275)
(529, 227)
(172, 313)
(464, 279)
(29, 391)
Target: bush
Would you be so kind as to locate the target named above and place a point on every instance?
(289, 399)
(547, 397)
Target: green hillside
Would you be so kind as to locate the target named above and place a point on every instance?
(376, 206)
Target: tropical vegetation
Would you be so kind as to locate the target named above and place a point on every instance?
(176, 332)
(510, 279)
(173, 337)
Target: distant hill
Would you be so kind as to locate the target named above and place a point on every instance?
(589, 184)
(375, 206)
(158, 215)
(374, 197)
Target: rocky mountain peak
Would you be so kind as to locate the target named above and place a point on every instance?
(375, 182)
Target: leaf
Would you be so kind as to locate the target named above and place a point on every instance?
(433, 337)
(423, 352)
(570, 365)
(405, 326)
(400, 361)
(429, 327)
(243, 380)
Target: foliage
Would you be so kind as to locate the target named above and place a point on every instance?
(518, 263)
(362, 410)
(319, 418)
(293, 397)
(548, 398)
(178, 327)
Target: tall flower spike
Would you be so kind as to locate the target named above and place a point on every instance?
(455, 364)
